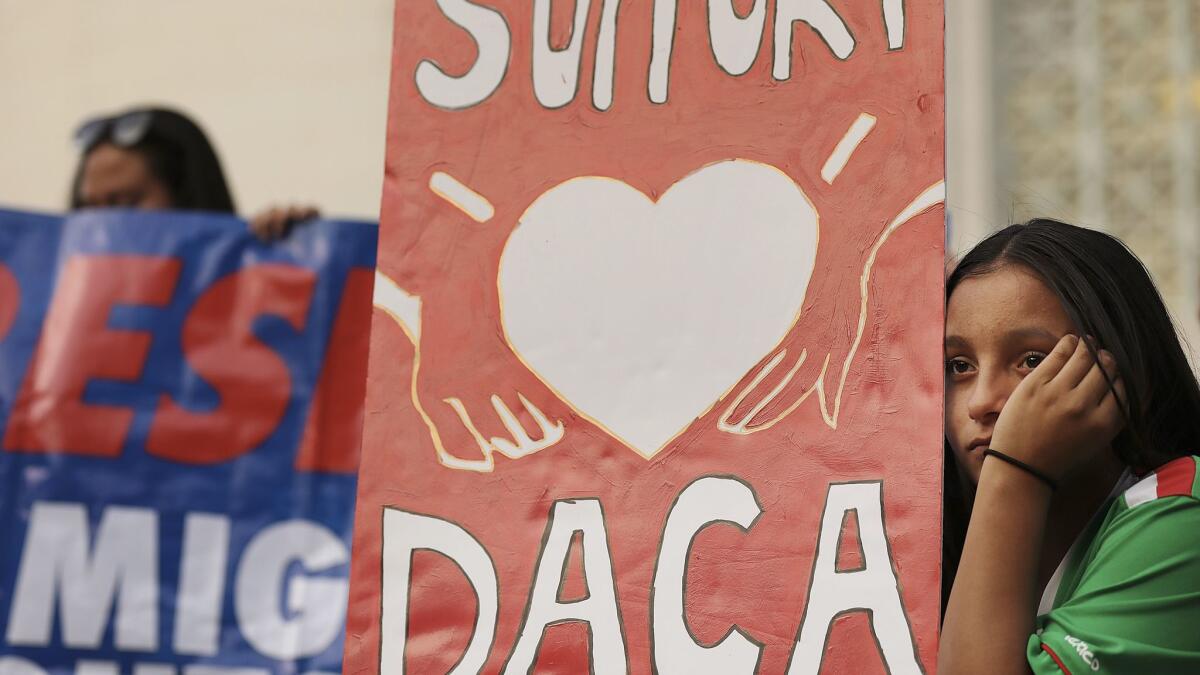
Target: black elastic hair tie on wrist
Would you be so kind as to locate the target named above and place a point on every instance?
(1036, 473)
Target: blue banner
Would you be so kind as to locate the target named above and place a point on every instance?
(180, 410)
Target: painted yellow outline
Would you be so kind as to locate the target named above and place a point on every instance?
(390, 301)
(402, 306)
(444, 458)
(405, 310)
(524, 446)
(928, 198)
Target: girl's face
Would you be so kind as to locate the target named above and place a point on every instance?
(999, 327)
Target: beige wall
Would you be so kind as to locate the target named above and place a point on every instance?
(293, 92)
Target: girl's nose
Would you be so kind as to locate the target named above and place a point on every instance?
(988, 398)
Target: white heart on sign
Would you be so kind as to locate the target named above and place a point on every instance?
(641, 314)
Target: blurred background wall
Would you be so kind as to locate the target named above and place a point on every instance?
(1086, 111)
(292, 92)
(1083, 110)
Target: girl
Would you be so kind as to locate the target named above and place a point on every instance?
(1071, 413)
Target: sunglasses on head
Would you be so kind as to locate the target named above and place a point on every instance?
(125, 130)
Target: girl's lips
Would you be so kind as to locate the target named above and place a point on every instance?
(979, 445)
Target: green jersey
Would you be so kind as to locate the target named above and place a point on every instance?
(1128, 596)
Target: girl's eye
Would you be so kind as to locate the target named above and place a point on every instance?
(1032, 361)
(957, 367)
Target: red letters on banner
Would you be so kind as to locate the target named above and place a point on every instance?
(331, 435)
(77, 345)
(252, 381)
(10, 300)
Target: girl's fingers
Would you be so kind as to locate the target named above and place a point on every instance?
(1095, 384)
(1056, 359)
(1077, 367)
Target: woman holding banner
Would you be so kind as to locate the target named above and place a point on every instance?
(1071, 413)
(155, 158)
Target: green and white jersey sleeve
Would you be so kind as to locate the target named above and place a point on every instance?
(1129, 598)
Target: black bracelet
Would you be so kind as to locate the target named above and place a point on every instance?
(1024, 467)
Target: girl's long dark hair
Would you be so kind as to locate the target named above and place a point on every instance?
(179, 154)
(1108, 294)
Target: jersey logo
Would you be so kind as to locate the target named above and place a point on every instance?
(1084, 652)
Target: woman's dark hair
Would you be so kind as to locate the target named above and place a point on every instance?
(958, 496)
(1108, 295)
(176, 151)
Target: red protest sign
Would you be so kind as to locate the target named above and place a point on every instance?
(655, 367)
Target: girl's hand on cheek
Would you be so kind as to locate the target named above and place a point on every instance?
(1063, 413)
